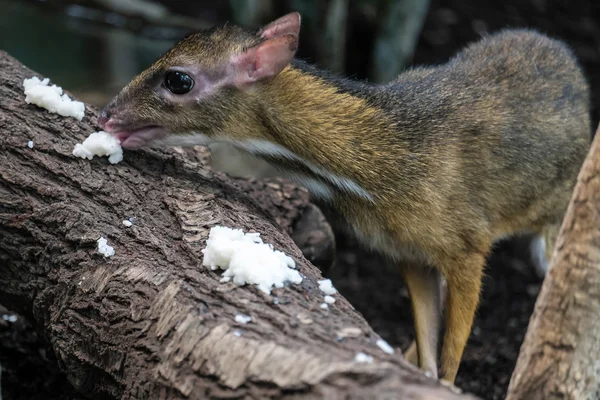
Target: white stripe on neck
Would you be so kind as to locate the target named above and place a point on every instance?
(262, 147)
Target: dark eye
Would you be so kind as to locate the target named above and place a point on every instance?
(178, 82)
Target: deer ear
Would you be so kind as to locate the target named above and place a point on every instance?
(287, 25)
(264, 61)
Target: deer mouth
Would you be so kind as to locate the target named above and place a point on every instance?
(139, 137)
(134, 138)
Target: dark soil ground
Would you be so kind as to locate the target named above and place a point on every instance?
(510, 288)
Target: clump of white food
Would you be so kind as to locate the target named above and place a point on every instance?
(30, 144)
(327, 287)
(100, 144)
(40, 93)
(9, 318)
(127, 223)
(329, 299)
(363, 358)
(324, 306)
(247, 260)
(383, 345)
(242, 319)
(104, 248)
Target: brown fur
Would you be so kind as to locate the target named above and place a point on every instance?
(454, 156)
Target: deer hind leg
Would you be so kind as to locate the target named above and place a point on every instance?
(542, 247)
(424, 290)
(463, 275)
(411, 354)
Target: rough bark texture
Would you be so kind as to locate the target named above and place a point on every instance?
(560, 357)
(151, 322)
(290, 207)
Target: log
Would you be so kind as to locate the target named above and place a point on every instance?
(560, 356)
(151, 322)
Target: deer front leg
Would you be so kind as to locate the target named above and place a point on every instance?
(463, 276)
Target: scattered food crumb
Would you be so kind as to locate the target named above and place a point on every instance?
(9, 318)
(127, 223)
(329, 299)
(326, 287)
(100, 144)
(242, 319)
(247, 260)
(237, 333)
(324, 306)
(363, 358)
(30, 144)
(349, 332)
(304, 319)
(52, 98)
(104, 248)
(383, 345)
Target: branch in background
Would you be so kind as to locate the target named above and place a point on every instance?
(333, 46)
(560, 357)
(153, 12)
(146, 8)
(397, 37)
(251, 13)
(148, 16)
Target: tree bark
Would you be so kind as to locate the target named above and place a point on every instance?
(560, 357)
(150, 322)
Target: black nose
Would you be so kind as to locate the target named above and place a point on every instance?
(103, 117)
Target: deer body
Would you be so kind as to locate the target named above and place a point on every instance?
(430, 169)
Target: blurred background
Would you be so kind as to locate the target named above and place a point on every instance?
(92, 48)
